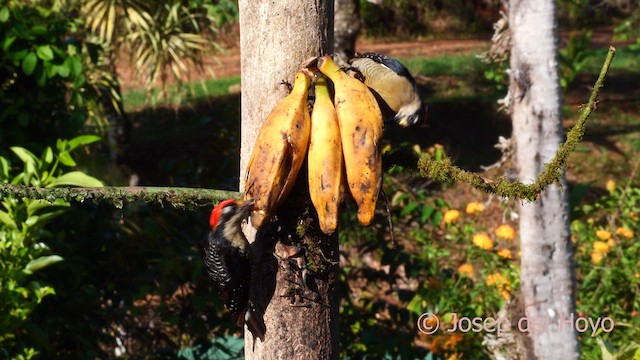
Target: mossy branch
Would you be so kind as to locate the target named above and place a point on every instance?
(188, 198)
(444, 170)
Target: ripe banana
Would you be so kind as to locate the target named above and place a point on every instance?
(279, 152)
(325, 159)
(360, 121)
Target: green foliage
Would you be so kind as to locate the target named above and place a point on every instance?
(222, 12)
(40, 63)
(23, 251)
(608, 271)
(574, 57)
(497, 74)
(409, 18)
(162, 37)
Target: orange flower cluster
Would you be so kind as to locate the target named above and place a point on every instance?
(483, 241)
(474, 207)
(502, 283)
(451, 216)
(506, 232)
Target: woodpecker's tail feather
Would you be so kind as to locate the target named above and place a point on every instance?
(255, 322)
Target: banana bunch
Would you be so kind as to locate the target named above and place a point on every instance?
(342, 136)
(360, 121)
(279, 152)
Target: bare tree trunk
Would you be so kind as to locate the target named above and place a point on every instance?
(548, 277)
(346, 26)
(275, 37)
(119, 123)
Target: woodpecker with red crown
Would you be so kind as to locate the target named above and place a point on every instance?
(231, 264)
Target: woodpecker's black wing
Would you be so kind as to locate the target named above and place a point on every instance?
(230, 270)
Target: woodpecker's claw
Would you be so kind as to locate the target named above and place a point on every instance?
(355, 73)
(287, 84)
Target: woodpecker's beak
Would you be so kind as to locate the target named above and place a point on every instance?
(245, 207)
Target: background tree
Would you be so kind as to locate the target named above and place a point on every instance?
(548, 278)
(346, 26)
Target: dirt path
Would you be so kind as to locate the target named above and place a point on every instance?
(228, 63)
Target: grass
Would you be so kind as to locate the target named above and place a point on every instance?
(627, 59)
(183, 94)
(454, 65)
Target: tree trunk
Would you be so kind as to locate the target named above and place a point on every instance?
(346, 26)
(548, 278)
(275, 37)
(113, 109)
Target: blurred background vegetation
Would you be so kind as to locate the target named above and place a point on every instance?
(145, 92)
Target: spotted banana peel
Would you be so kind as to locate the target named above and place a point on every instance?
(325, 159)
(279, 152)
(360, 122)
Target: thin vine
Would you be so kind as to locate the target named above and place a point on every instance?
(444, 170)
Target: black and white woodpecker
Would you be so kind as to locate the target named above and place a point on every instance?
(393, 84)
(230, 263)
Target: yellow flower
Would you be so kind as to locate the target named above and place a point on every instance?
(623, 231)
(474, 207)
(465, 269)
(601, 247)
(637, 276)
(603, 234)
(611, 242)
(505, 253)
(483, 241)
(506, 232)
(451, 216)
(596, 257)
(496, 279)
(611, 185)
(501, 283)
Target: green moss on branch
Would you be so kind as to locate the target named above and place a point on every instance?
(188, 198)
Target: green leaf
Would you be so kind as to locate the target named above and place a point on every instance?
(82, 140)
(4, 14)
(63, 70)
(7, 220)
(48, 155)
(39, 29)
(74, 65)
(44, 52)
(427, 210)
(409, 208)
(76, 178)
(37, 205)
(42, 262)
(29, 63)
(25, 155)
(4, 168)
(7, 42)
(66, 159)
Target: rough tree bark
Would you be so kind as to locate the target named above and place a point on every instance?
(346, 26)
(548, 276)
(275, 37)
